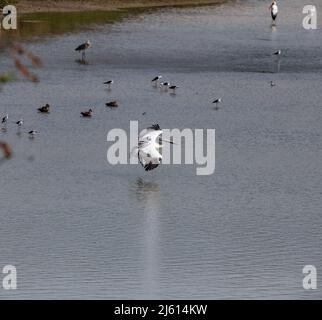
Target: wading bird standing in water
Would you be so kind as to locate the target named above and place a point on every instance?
(5, 119)
(173, 88)
(165, 85)
(274, 10)
(19, 123)
(109, 83)
(216, 102)
(32, 133)
(148, 150)
(82, 47)
(156, 80)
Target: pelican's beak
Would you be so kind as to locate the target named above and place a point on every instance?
(169, 141)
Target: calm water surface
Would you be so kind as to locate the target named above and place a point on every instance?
(77, 227)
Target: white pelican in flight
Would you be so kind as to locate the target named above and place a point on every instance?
(148, 150)
(274, 10)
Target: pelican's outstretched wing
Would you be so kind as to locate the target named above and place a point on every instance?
(153, 128)
(149, 137)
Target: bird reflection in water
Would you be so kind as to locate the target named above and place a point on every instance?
(145, 189)
(6, 152)
(82, 62)
(148, 194)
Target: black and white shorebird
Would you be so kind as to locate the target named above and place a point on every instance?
(87, 114)
(156, 79)
(173, 88)
(109, 84)
(272, 83)
(82, 47)
(216, 102)
(19, 123)
(274, 10)
(165, 85)
(277, 53)
(148, 149)
(5, 119)
(32, 133)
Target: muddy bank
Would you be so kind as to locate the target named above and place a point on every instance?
(26, 6)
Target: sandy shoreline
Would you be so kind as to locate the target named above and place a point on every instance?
(28, 6)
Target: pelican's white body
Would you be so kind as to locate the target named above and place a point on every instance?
(148, 149)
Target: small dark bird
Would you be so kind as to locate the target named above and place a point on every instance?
(32, 133)
(165, 84)
(82, 47)
(109, 83)
(87, 113)
(173, 88)
(44, 109)
(216, 102)
(20, 122)
(272, 83)
(277, 53)
(112, 104)
(5, 119)
(156, 79)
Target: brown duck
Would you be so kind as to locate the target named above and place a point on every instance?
(44, 109)
(112, 104)
(87, 113)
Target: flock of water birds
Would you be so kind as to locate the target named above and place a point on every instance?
(150, 141)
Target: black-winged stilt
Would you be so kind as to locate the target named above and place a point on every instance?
(109, 83)
(5, 119)
(156, 79)
(19, 123)
(32, 133)
(82, 47)
(173, 88)
(216, 102)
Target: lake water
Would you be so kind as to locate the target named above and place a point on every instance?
(78, 227)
